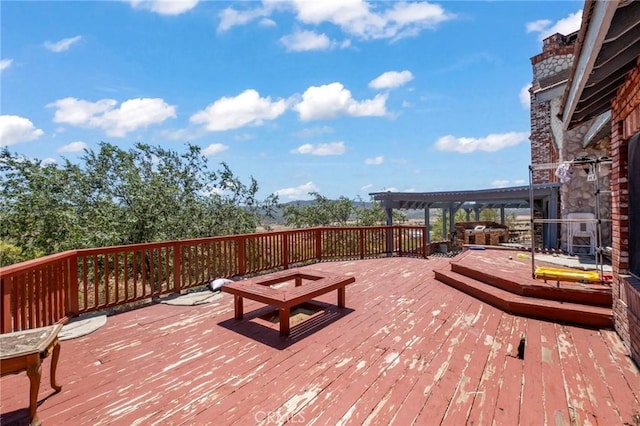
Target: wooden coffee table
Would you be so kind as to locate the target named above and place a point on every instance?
(308, 284)
(24, 351)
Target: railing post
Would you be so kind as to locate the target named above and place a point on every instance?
(177, 267)
(285, 249)
(242, 255)
(5, 319)
(73, 307)
(424, 243)
(361, 243)
(319, 244)
(389, 240)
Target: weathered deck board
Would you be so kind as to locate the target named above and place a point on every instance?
(555, 398)
(532, 411)
(510, 382)
(406, 349)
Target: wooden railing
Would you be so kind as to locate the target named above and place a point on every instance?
(44, 291)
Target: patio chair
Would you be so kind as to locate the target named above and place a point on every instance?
(583, 227)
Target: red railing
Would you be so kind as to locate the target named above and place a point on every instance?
(44, 291)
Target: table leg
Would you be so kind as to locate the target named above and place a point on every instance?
(284, 314)
(54, 365)
(34, 370)
(342, 297)
(237, 304)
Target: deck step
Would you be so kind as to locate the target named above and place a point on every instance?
(584, 294)
(553, 310)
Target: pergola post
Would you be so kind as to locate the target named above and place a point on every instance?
(427, 223)
(452, 221)
(389, 231)
(444, 222)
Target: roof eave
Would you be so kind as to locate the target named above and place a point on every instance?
(594, 30)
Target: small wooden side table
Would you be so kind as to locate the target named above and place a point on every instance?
(25, 350)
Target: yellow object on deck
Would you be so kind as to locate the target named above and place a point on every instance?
(567, 274)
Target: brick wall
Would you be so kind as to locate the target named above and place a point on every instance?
(625, 109)
(543, 149)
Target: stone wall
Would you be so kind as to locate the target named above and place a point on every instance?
(556, 56)
(578, 195)
(625, 111)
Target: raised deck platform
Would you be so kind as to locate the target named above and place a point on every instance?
(502, 279)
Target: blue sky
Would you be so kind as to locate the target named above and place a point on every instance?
(340, 97)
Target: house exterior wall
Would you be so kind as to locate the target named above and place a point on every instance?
(551, 144)
(556, 57)
(579, 195)
(625, 111)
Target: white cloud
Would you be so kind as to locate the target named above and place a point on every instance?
(186, 134)
(165, 7)
(244, 109)
(390, 189)
(359, 18)
(5, 63)
(62, 45)
(538, 26)
(267, 23)
(244, 137)
(77, 146)
(499, 183)
(391, 79)
(375, 161)
(132, 114)
(300, 192)
(15, 129)
(322, 149)
(368, 20)
(300, 41)
(230, 17)
(503, 183)
(525, 96)
(314, 132)
(490, 143)
(365, 187)
(331, 100)
(214, 149)
(564, 26)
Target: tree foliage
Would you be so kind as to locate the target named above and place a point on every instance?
(114, 197)
(322, 211)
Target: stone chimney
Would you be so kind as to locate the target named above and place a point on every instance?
(551, 69)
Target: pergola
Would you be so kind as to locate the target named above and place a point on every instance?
(545, 198)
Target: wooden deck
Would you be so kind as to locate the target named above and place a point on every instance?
(406, 349)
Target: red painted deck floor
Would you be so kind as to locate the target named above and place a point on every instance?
(406, 350)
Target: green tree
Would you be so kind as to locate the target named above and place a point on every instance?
(341, 212)
(117, 197)
(320, 212)
(36, 213)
